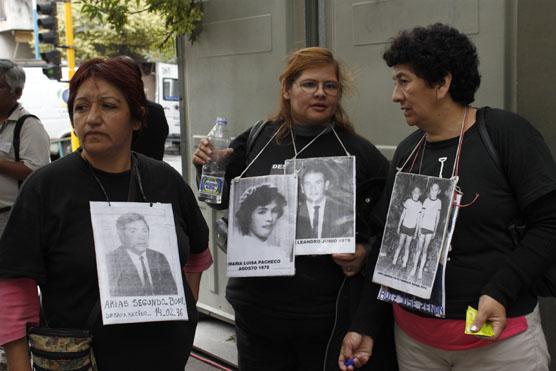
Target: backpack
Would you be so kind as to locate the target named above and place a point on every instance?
(545, 286)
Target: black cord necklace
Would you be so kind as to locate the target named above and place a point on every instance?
(134, 174)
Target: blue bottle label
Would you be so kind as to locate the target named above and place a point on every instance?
(211, 185)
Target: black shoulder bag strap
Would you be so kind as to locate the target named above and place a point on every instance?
(487, 141)
(16, 138)
(253, 135)
(17, 134)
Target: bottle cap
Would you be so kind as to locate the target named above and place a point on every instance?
(222, 120)
(349, 362)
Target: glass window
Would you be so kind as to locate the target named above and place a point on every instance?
(170, 89)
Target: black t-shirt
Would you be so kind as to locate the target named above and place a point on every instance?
(483, 259)
(49, 238)
(313, 289)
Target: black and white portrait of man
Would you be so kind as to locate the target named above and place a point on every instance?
(133, 268)
(326, 205)
(319, 215)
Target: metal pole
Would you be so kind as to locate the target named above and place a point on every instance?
(69, 38)
(71, 58)
(311, 23)
(35, 28)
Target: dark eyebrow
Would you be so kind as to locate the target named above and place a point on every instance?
(398, 75)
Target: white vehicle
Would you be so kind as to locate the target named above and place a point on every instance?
(167, 95)
(47, 99)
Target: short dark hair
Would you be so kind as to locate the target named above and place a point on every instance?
(131, 62)
(127, 218)
(434, 51)
(315, 167)
(116, 72)
(253, 197)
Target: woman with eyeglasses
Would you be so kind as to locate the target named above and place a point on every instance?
(294, 323)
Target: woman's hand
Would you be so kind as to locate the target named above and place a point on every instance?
(351, 263)
(205, 153)
(356, 351)
(490, 310)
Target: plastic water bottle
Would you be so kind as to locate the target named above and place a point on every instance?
(212, 177)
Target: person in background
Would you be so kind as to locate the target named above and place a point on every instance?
(295, 323)
(436, 75)
(34, 144)
(150, 140)
(49, 242)
(33, 150)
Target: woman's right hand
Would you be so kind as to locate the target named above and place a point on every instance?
(355, 351)
(205, 153)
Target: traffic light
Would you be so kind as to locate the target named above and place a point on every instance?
(48, 25)
(53, 60)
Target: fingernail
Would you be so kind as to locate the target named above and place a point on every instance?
(474, 328)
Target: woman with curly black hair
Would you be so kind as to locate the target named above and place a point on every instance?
(506, 173)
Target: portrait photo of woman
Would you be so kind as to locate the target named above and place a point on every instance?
(259, 210)
(262, 226)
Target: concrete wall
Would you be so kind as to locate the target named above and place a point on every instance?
(17, 15)
(535, 97)
(232, 71)
(16, 19)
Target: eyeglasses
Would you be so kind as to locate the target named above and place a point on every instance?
(311, 86)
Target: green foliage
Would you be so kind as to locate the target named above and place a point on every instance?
(140, 34)
(181, 17)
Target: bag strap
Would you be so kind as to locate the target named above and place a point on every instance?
(487, 141)
(93, 316)
(17, 133)
(253, 135)
(516, 229)
(16, 138)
